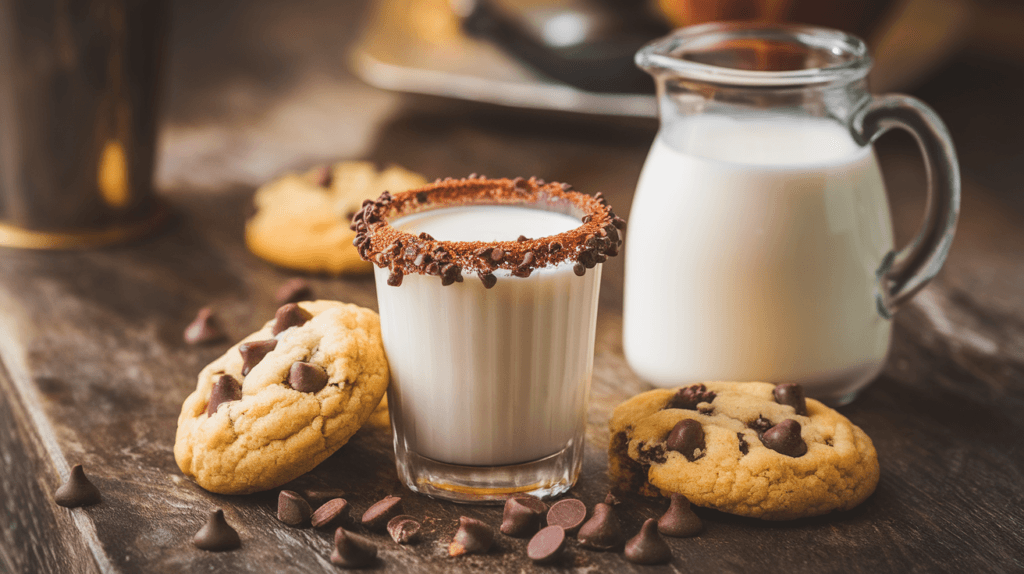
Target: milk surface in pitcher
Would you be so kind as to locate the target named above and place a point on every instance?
(751, 254)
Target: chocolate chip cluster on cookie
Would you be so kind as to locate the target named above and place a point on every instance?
(753, 449)
(284, 399)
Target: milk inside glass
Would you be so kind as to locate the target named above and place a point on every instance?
(752, 252)
(489, 377)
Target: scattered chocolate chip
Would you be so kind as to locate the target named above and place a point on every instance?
(292, 509)
(568, 513)
(689, 397)
(331, 514)
(612, 500)
(421, 196)
(253, 352)
(547, 545)
(290, 315)
(473, 537)
(352, 550)
(325, 177)
(488, 279)
(404, 529)
(497, 254)
(791, 394)
(679, 520)
(648, 547)
(522, 516)
(306, 377)
(579, 269)
(377, 516)
(294, 290)
(321, 496)
(77, 491)
(784, 438)
(395, 278)
(602, 531)
(687, 438)
(760, 424)
(217, 535)
(225, 390)
(205, 328)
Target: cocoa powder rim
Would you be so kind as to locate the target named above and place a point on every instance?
(587, 245)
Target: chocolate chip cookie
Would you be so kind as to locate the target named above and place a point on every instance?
(284, 399)
(302, 219)
(753, 449)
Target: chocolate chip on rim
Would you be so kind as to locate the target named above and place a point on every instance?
(784, 438)
(294, 290)
(547, 545)
(290, 315)
(687, 438)
(473, 537)
(568, 513)
(679, 520)
(225, 390)
(522, 516)
(404, 529)
(377, 516)
(402, 253)
(217, 535)
(602, 531)
(648, 547)
(253, 352)
(791, 394)
(352, 550)
(205, 328)
(307, 377)
(292, 509)
(331, 514)
(77, 491)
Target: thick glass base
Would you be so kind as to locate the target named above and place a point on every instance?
(548, 477)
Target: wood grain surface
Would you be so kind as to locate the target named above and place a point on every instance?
(94, 369)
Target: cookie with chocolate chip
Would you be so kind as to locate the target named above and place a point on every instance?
(752, 449)
(312, 376)
(302, 219)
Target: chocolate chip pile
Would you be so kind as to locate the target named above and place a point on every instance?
(596, 239)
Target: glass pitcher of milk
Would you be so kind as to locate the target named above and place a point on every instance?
(760, 244)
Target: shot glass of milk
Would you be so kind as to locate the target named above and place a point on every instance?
(761, 245)
(488, 294)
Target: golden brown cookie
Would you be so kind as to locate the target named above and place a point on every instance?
(284, 399)
(302, 220)
(751, 449)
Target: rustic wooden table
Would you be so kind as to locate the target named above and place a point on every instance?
(94, 370)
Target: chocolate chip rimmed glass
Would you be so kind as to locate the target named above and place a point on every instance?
(490, 339)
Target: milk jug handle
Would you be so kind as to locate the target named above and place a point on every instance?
(902, 274)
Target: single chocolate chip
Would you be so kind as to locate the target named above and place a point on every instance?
(619, 223)
(648, 547)
(602, 531)
(488, 279)
(784, 438)
(528, 258)
(325, 177)
(791, 394)
(522, 238)
(612, 500)
(433, 269)
(331, 514)
(679, 520)
(294, 290)
(473, 537)
(321, 496)
(421, 196)
(569, 514)
(77, 491)
(404, 529)
(217, 535)
(522, 516)
(226, 389)
(292, 509)
(555, 246)
(395, 278)
(377, 516)
(205, 328)
(579, 269)
(760, 424)
(687, 438)
(307, 377)
(547, 545)
(497, 254)
(426, 236)
(253, 352)
(587, 259)
(522, 272)
(689, 397)
(352, 550)
(290, 315)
